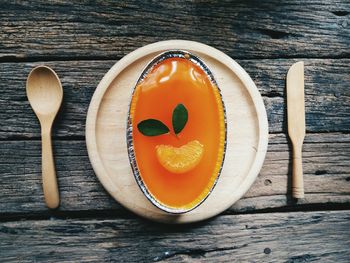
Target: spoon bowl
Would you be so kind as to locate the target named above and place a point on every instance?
(45, 94)
(44, 91)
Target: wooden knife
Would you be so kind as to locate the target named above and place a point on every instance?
(296, 123)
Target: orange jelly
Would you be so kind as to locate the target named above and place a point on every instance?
(172, 81)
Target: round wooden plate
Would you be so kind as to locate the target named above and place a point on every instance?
(247, 131)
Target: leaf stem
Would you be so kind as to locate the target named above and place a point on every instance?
(176, 135)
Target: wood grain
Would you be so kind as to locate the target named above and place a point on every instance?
(66, 32)
(326, 175)
(278, 237)
(326, 93)
(243, 29)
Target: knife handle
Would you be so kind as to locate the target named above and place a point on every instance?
(297, 176)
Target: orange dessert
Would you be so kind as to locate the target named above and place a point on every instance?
(178, 131)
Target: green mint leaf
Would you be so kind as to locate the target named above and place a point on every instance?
(180, 117)
(152, 127)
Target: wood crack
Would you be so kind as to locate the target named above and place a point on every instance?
(340, 13)
(194, 253)
(276, 34)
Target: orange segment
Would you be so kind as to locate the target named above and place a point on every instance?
(180, 159)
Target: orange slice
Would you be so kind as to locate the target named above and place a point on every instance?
(180, 159)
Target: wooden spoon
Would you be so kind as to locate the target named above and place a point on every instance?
(45, 94)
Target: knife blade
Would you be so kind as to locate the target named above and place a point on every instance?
(296, 123)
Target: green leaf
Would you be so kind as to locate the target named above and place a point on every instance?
(152, 127)
(180, 117)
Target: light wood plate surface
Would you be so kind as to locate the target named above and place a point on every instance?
(247, 131)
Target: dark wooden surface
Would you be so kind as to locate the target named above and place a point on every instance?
(82, 41)
(283, 237)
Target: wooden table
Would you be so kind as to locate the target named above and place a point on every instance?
(82, 41)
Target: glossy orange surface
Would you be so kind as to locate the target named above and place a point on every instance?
(174, 81)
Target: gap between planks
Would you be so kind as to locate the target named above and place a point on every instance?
(126, 214)
(48, 58)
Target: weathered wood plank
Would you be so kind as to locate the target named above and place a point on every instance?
(326, 169)
(327, 95)
(243, 29)
(280, 237)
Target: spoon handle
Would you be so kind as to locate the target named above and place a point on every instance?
(50, 186)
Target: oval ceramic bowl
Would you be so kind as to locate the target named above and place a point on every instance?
(130, 144)
(247, 131)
